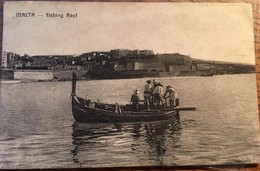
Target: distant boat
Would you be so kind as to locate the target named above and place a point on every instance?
(113, 113)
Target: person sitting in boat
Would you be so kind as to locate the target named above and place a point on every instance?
(158, 95)
(148, 94)
(135, 101)
(87, 101)
(118, 108)
(171, 95)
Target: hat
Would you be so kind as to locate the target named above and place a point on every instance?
(169, 86)
(159, 84)
(148, 81)
(136, 91)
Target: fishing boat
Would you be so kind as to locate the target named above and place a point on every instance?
(96, 112)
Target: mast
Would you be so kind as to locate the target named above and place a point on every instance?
(74, 81)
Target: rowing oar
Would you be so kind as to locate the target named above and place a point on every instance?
(184, 109)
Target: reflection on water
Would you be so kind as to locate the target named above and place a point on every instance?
(153, 134)
(82, 133)
(157, 134)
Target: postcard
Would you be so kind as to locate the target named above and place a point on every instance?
(98, 84)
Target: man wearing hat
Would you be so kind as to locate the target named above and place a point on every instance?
(135, 100)
(148, 94)
(171, 94)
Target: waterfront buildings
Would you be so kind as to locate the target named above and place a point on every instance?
(122, 63)
(7, 59)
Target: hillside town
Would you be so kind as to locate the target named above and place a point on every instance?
(116, 63)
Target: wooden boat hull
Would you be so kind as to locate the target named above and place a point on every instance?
(85, 114)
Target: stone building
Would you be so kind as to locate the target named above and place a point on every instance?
(145, 65)
(176, 62)
(203, 66)
(7, 59)
(120, 52)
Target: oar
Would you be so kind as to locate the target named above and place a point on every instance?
(184, 108)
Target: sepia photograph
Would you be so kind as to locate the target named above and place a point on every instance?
(127, 84)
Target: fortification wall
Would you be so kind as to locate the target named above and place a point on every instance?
(67, 75)
(33, 75)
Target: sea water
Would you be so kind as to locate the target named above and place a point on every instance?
(38, 129)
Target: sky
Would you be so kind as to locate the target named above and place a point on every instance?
(210, 31)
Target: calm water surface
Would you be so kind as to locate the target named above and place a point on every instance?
(38, 130)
